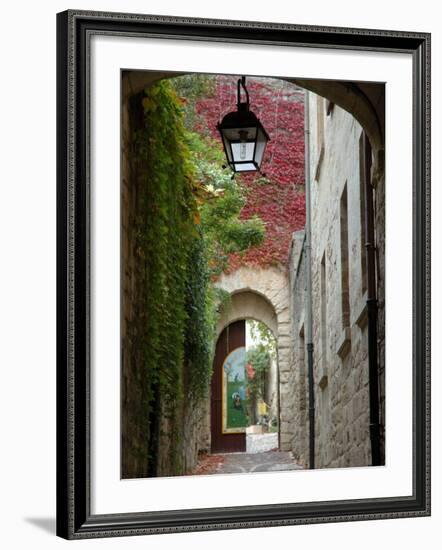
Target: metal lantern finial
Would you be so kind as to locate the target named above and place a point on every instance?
(244, 137)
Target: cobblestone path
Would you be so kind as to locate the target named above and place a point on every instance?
(235, 463)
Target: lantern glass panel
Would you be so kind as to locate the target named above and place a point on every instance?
(243, 151)
(232, 134)
(261, 142)
(246, 167)
(227, 147)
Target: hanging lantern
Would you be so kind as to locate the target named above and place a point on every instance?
(244, 137)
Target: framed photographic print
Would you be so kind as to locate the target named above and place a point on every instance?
(243, 274)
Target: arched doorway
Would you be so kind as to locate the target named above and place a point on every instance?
(245, 389)
(262, 299)
(228, 420)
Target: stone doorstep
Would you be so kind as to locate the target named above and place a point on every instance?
(255, 429)
(260, 443)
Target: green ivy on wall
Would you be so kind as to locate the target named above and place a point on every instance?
(187, 220)
(200, 323)
(167, 242)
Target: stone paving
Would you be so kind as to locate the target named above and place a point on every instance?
(235, 463)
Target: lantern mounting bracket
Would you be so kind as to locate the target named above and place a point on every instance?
(241, 105)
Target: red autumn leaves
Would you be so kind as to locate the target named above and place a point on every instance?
(278, 199)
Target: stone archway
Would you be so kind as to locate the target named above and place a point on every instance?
(363, 100)
(247, 304)
(263, 295)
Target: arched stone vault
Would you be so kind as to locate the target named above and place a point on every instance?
(263, 294)
(363, 100)
(247, 304)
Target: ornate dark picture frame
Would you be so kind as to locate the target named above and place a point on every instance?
(74, 518)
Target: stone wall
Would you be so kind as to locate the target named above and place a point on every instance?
(380, 259)
(192, 436)
(190, 424)
(271, 396)
(338, 298)
(300, 420)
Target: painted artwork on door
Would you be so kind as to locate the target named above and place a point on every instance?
(235, 418)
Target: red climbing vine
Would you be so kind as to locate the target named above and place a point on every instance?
(278, 197)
